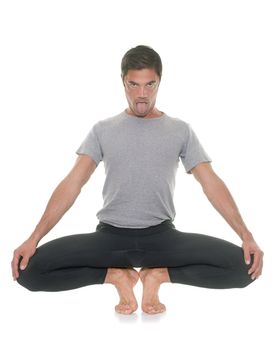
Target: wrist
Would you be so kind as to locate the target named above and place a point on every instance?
(247, 236)
(35, 237)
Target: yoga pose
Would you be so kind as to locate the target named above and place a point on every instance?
(140, 148)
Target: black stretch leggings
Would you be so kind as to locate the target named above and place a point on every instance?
(79, 260)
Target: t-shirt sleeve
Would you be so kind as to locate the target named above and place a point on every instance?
(91, 145)
(192, 152)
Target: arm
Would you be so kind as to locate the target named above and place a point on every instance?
(61, 200)
(221, 199)
(64, 195)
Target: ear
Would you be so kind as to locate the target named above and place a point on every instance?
(123, 80)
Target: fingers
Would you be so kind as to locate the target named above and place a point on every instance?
(14, 265)
(246, 255)
(256, 269)
(24, 262)
(21, 256)
(252, 250)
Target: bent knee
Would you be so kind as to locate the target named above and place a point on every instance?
(244, 280)
(28, 281)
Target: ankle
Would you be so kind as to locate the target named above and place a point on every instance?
(160, 274)
(113, 274)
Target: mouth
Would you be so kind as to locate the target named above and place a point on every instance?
(141, 106)
(143, 102)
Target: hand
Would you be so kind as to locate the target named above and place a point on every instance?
(26, 251)
(250, 247)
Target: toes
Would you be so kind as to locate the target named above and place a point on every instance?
(154, 309)
(124, 309)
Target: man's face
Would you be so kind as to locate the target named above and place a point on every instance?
(141, 87)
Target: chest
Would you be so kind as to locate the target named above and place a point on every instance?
(155, 147)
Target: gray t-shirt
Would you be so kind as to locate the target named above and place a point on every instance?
(141, 158)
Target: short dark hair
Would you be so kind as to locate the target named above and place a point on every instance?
(141, 57)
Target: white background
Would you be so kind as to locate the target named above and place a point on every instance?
(60, 73)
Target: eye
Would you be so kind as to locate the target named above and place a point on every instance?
(132, 85)
(151, 84)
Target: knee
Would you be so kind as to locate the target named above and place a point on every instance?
(243, 278)
(28, 280)
(245, 281)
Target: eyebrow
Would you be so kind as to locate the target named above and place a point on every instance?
(134, 82)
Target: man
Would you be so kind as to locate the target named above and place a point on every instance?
(141, 148)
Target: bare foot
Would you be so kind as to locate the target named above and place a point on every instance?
(124, 280)
(152, 279)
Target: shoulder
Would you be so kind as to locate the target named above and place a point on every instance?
(178, 124)
(105, 124)
(109, 120)
(177, 121)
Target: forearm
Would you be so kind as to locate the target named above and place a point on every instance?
(221, 199)
(61, 200)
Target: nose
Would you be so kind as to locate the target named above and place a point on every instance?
(142, 91)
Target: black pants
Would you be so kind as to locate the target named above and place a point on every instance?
(79, 260)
